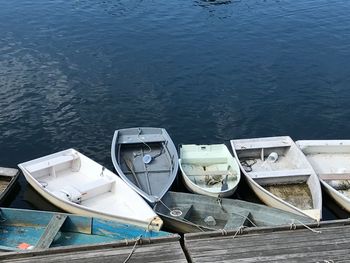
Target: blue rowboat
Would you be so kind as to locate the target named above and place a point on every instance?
(27, 229)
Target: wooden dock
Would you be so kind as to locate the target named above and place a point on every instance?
(162, 249)
(327, 242)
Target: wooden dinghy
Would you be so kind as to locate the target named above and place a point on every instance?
(146, 159)
(8, 178)
(209, 169)
(331, 162)
(27, 229)
(279, 174)
(186, 213)
(79, 185)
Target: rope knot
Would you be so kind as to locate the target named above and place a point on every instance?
(223, 232)
(239, 231)
(293, 226)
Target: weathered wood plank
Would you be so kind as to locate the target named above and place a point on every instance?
(268, 249)
(245, 144)
(162, 252)
(259, 230)
(91, 247)
(51, 231)
(280, 173)
(325, 256)
(242, 245)
(301, 245)
(303, 234)
(278, 245)
(334, 176)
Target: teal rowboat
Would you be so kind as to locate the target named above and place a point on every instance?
(27, 229)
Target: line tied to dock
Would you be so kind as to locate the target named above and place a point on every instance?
(133, 249)
(293, 226)
(239, 231)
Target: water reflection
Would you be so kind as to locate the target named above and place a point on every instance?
(73, 72)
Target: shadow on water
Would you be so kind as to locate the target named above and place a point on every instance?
(26, 197)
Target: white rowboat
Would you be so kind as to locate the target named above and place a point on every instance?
(79, 185)
(209, 169)
(280, 175)
(331, 162)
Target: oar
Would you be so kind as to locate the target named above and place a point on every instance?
(224, 186)
(131, 168)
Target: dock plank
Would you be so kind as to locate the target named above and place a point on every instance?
(300, 245)
(162, 250)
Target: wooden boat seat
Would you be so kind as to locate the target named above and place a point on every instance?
(94, 188)
(78, 193)
(243, 145)
(235, 221)
(280, 173)
(198, 159)
(334, 176)
(122, 139)
(51, 231)
(211, 173)
(51, 163)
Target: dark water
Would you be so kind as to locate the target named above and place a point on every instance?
(71, 72)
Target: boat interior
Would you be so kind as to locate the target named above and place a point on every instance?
(210, 176)
(278, 166)
(90, 185)
(148, 165)
(53, 175)
(206, 213)
(331, 162)
(4, 182)
(209, 166)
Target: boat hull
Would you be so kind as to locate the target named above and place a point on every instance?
(187, 213)
(146, 159)
(102, 205)
(26, 229)
(199, 164)
(329, 157)
(298, 169)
